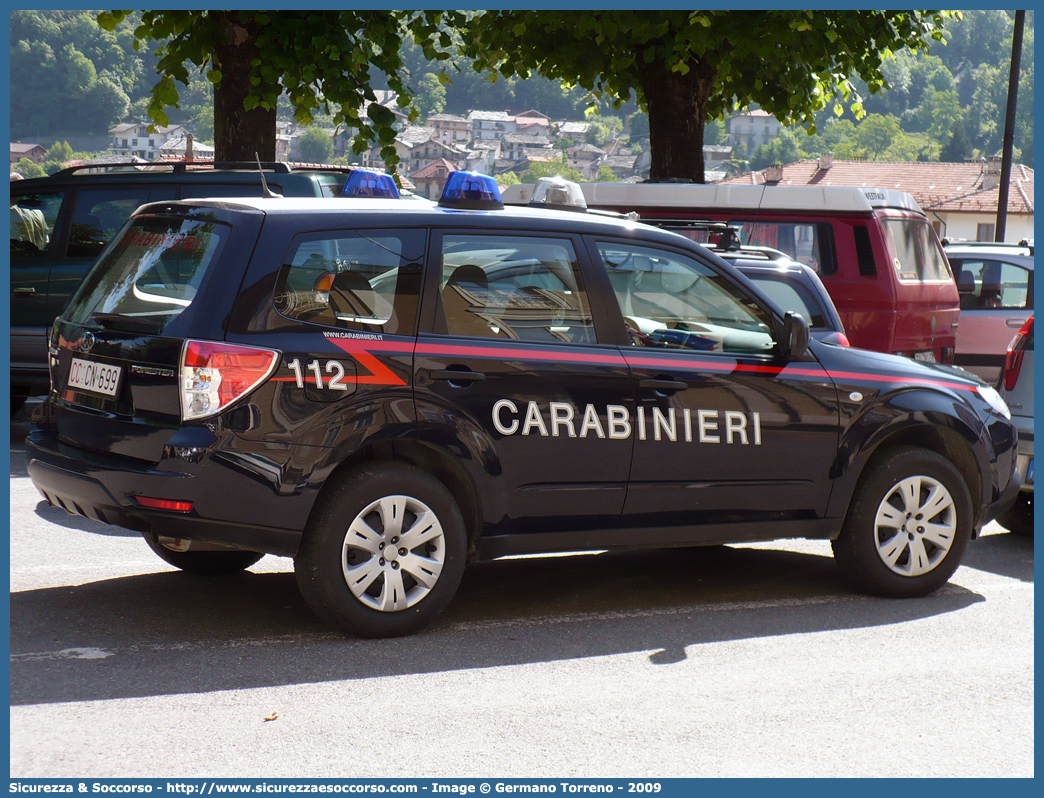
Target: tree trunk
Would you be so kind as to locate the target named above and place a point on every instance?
(239, 133)
(677, 109)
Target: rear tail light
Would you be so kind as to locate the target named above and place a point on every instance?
(214, 375)
(1013, 359)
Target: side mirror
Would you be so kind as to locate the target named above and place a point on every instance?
(795, 336)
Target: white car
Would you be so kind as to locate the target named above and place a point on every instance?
(1016, 386)
(995, 282)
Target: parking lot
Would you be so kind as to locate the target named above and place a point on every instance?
(749, 660)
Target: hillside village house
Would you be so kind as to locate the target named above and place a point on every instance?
(491, 124)
(960, 199)
(34, 152)
(134, 139)
(533, 123)
(451, 129)
(753, 129)
(516, 145)
(431, 179)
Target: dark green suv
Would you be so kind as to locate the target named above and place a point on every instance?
(60, 223)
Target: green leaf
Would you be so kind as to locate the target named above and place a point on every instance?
(214, 76)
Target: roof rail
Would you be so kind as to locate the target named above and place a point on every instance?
(279, 167)
(961, 242)
(69, 170)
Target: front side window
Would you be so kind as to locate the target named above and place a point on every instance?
(33, 217)
(672, 301)
(917, 256)
(150, 276)
(514, 287)
(365, 280)
(985, 283)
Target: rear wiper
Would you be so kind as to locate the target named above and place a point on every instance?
(116, 321)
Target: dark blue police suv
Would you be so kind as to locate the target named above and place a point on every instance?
(385, 389)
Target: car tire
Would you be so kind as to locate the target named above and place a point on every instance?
(908, 525)
(1019, 518)
(204, 563)
(342, 569)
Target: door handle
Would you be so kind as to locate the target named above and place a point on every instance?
(663, 385)
(453, 375)
(1014, 323)
(31, 291)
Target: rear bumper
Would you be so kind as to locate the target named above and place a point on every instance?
(103, 488)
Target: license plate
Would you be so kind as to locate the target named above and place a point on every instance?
(86, 375)
(927, 357)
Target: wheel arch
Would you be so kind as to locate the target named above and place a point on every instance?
(924, 419)
(439, 463)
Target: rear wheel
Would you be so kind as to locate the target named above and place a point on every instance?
(908, 525)
(1019, 519)
(384, 551)
(204, 563)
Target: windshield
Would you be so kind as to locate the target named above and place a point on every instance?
(149, 276)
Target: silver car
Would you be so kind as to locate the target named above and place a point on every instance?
(995, 282)
(1016, 386)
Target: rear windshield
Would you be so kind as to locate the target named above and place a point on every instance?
(917, 255)
(149, 277)
(792, 296)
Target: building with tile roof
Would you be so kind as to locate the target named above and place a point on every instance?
(431, 179)
(959, 198)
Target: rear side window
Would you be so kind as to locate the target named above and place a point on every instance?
(150, 276)
(917, 256)
(514, 287)
(33, 217)
(99, 215)
(793, 296)
(811, 243)
(365, 280)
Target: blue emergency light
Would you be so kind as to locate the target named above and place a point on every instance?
(470, 190)
(364, 183)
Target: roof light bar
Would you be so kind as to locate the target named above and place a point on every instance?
(471, 191)
(365, 183)
(558, 193)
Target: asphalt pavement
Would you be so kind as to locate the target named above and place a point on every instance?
(751, 660)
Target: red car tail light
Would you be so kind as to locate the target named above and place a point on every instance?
(214, 375)
(1013, 359)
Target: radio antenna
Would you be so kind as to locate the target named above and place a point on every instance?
(265, 192)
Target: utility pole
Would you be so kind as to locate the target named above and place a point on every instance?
(1009, 127)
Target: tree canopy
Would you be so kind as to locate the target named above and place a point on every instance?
(326, 61)
(685, 67)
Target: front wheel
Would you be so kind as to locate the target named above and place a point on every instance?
(384, 551)
(204, 563)
(908, 525)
